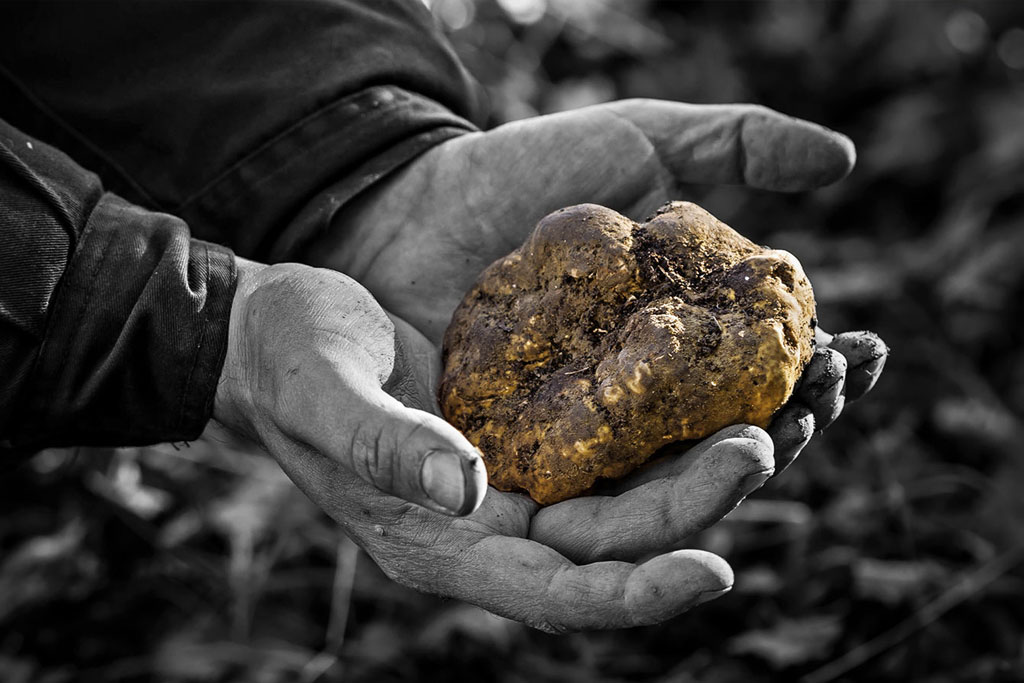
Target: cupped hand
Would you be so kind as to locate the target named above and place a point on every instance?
(419, 239)
(311, 360)
(343, 396)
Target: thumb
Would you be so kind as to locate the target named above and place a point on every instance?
(340, 409)
(311, 352)
(413, 455)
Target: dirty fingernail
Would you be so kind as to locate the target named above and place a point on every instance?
(444, 481)
(862, 378)
(874, 366)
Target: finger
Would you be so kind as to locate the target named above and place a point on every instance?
(865, 357)
(740, 144)
(674, 463)
(317, 350)
(791, 430)
(821, 386)
(661, 513)
(471, 560)
(526, 581)
(405, 452)
(410, 454)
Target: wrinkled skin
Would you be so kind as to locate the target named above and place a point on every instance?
(418, 240)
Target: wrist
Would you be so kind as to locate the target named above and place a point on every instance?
(233, 399)
(289, 321)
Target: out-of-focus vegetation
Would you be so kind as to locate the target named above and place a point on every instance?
(892, 550)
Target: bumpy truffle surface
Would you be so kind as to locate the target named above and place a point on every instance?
(600, 340)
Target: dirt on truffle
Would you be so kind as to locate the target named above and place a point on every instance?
(601, 340)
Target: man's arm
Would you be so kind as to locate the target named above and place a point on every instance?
(235, 116)
(118, 329)
(113, 322)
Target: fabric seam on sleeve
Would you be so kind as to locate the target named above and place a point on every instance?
(285, 134)
(197, 351)
(205, 403)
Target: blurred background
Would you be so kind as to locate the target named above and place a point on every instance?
(891, 551)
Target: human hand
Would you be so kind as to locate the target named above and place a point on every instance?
(310, 365)
(419, 239)
(844, 367)
(311, 360)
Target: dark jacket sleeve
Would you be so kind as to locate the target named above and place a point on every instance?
(255, 122)
(113, 322)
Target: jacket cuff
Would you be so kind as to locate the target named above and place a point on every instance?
(279, 191)
(136, 337)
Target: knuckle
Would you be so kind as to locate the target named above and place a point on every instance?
(371, 457)
(411, 434)
(860, 347)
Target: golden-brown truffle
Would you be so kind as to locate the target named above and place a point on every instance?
(600, 340)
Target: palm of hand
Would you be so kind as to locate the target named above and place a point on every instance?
(419, 239)
(474, 199)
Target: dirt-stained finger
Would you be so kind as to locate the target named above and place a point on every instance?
(821, 386)
(865, 355)
(791, 430)
(674, 459)
(658, 514)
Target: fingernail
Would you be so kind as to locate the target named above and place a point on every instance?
(711, 595)
(444, 481)
(862, 378)
(753, 482)
(873, 366)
